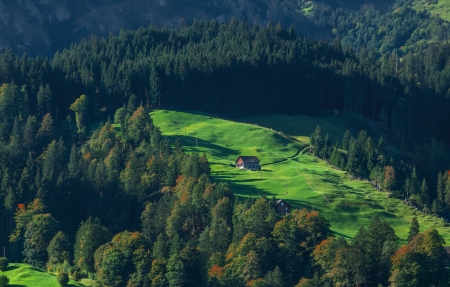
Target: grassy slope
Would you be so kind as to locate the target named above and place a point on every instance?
(309, 182)
(442, 8)
(24, 275)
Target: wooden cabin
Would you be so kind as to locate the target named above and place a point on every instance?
(248, 162)
(283, 207)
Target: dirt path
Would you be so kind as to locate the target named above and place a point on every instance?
(313, 188)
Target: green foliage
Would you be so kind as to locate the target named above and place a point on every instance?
(3, 263)
(81, 109)
(4, 280)
(126, 258)
(421, 262)
(413, 229)
(58, 249)
(39, 232)
(89, 237)
(62, 278)
(22, 274)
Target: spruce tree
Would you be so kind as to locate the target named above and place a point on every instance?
(413, 229)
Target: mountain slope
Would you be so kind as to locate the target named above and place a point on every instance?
(300, 178)
(41, 28)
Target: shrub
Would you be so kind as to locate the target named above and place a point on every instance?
(76, 276)
(62, 278)
(3, 263)
(4, 281)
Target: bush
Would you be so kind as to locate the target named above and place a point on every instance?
(76, 276)
(62, 278)
(4, 281)
(3, 263)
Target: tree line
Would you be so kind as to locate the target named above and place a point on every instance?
(235, 68)
(426, 187)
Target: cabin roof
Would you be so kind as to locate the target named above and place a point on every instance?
(281, 200)
(248, 158)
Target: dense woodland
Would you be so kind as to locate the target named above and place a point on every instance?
(121, 204)
(399, 25)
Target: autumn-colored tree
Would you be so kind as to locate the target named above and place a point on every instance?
(422, 262)
(296, 236)
(23, 216)
(389, 177)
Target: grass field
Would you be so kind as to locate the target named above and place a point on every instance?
(24, 275)
(442, 8)
(299, 178)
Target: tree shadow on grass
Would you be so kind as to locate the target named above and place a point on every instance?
(341, 234)
(200, 144)
(12, 267)
(16, 285)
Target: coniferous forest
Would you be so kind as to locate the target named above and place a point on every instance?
(121, 204)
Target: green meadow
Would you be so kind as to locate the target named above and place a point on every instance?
(289, 171)
(24, 275)
(441, 8)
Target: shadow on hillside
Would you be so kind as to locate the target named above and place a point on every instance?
(199, 144)
(341, 234)
(20, 285)
(12, 267)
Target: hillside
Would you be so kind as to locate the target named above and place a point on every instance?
(25, 275)
(42, 28)
(136, 207)
(440, 8)
(299, 178)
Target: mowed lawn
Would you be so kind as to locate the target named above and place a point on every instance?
(300, 178)
(24, 275)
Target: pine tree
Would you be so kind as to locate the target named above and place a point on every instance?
(424, 196)
(413, 229)
(317, 141)
(46, 130)
(29, 132)
(346, 140)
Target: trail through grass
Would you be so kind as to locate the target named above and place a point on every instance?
(298, 177)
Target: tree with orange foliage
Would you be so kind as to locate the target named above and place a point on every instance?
(296, 236)
(23, 216)
(389, 177)
(423, 262)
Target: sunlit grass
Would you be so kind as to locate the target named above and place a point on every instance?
(441, 9)
(25, 275)
(303, 180)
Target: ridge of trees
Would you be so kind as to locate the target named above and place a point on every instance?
(426, 188)
(211, 67)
